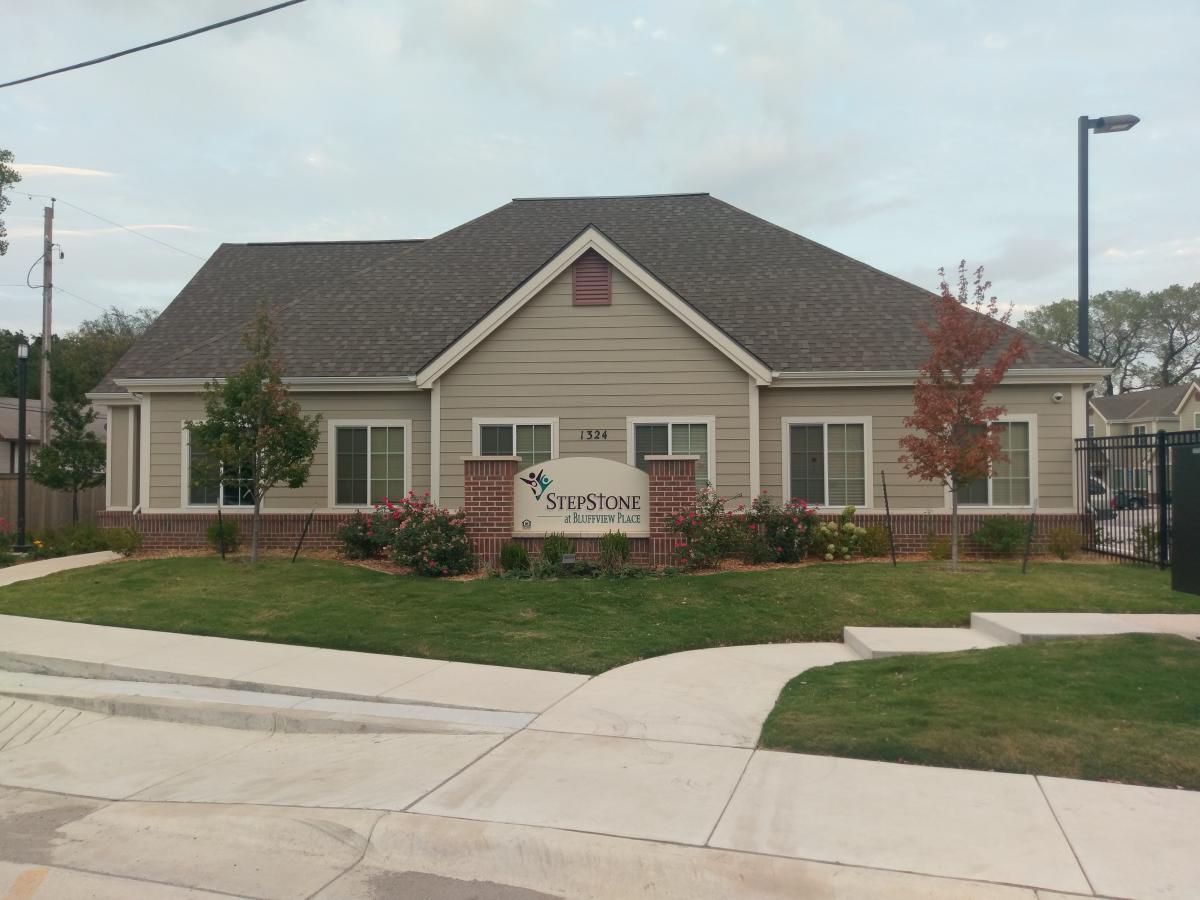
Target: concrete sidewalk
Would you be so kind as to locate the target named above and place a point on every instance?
(97, 651)
(40, 567)
(652, 761)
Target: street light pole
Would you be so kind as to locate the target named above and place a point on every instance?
(1083, 237)
(1103, 125)
(22, 443)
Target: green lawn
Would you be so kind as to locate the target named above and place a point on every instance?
(573, 625)
(1124, 708)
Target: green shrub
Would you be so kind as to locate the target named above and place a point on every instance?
(1064, 542)
(433, 541)
(8, 535)
(708, 532)
(840, 539)
(876, 541)
(225, 532)
(615, 551)
(778, 533)
(554, 548)
(367, 537)
(939, 545)
(7, 558)
(1145, 542)
(1001, 535)
(514, 557)
(73, 539)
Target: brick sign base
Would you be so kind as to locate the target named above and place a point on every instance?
(488, 503)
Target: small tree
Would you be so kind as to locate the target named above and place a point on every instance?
(956, 439)
(74, 459)
(253, 429)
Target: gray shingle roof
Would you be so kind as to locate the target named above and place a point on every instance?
(388, 308)
(1147, 404)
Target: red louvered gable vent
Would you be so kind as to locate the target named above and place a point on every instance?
(591, 282)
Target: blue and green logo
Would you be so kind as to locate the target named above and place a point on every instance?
(538, 482)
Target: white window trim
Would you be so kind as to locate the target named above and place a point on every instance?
(331, 458)
(1031, 420)
(185, 471)
(1196, 421)
(786, 424)
(710, 421)
(1144, 429)
(514, 421)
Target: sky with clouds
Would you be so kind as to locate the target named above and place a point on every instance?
(906, 134)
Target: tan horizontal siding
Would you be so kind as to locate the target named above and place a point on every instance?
(887, 407)
(119, 450)
(168, 411)
(591, 368)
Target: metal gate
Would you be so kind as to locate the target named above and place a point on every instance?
(1125, 494)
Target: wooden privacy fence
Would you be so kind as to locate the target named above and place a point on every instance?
(45, 508)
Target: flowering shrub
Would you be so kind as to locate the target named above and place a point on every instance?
(779, 533)
(73, 539)
(430, 539)
(367, 537)
(8, 535)
(840, 539)
(708, 533)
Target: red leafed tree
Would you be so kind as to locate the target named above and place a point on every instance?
(956, 439)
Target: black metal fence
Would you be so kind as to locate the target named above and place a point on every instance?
(1125, 494)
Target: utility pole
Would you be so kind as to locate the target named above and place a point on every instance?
(47, 324)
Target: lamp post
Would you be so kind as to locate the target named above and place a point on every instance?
(1103, 125)
(22, 444)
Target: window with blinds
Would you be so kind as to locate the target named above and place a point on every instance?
(673, 439)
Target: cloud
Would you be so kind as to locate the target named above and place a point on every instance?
(1024, 259)
(46, 169)
(96, 232)
(995, 41)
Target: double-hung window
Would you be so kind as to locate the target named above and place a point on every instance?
(532, 441)
(1139, 429)
(210, 483)
(1010, 482)
(688, 437)
(827, 463)
(370, 462)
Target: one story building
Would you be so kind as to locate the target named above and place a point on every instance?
(611, 327)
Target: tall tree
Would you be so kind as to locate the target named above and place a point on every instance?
(74, 459)
(956, 438)
(8, 175)
(1120, 324)
(9, 341)
(1174, 336)
(253, 429)
(84, 356)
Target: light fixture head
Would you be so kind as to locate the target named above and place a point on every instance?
(22, 351)
(1106, 124)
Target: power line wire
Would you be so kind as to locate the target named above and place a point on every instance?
(158, 43)
(114, 224)
(59, 287)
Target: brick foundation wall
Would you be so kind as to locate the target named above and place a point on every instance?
(911, 531)
(187, 531)
(489, 497)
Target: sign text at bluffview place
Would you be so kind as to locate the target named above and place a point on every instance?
(582, 495)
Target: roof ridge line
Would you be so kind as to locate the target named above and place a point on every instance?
(614, 197)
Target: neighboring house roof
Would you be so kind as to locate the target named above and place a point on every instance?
(1153, 403)
(33, 420)
(361, 309)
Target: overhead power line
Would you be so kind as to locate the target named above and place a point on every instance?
(111, 222)
(159, 43)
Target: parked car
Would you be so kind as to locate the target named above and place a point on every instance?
(1100, 503)
(1131, 498)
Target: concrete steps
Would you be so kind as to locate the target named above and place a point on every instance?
(1019, 628)
(252, 710)
(876, 643)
